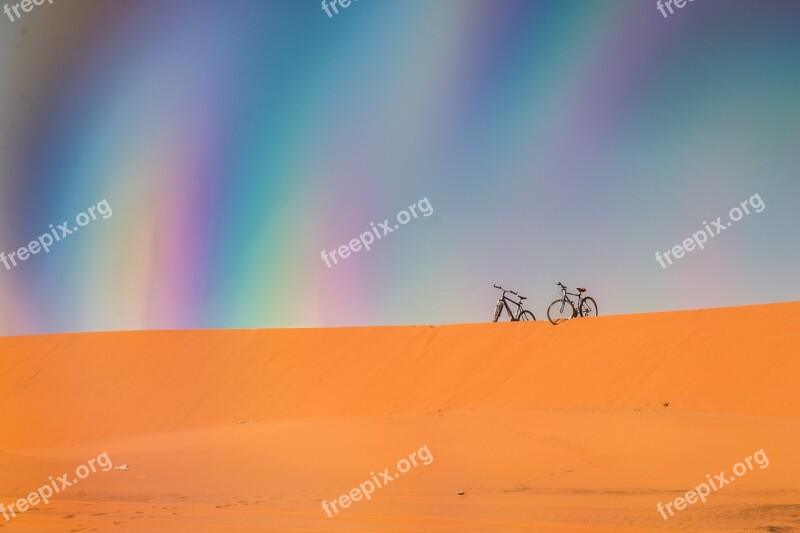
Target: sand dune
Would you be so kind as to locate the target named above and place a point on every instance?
(581, 427)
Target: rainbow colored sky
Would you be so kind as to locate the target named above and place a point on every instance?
(556, 140)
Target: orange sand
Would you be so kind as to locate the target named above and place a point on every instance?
(544, 429)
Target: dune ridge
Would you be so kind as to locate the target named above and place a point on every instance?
(56, 389)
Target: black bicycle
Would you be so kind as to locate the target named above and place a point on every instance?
(504, 301)
(564, 308)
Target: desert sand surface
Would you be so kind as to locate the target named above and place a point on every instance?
(581, 427)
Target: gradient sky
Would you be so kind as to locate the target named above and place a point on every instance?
(559, 140)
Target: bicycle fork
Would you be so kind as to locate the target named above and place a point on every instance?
(497, 310)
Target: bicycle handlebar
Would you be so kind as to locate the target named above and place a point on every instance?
(506, 290)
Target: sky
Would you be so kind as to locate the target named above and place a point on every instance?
(222, 147)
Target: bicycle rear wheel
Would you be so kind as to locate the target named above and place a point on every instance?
(588, 307)
(560, 311)
(526, 316)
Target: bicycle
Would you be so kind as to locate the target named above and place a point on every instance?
(522, 314)
(564, 308)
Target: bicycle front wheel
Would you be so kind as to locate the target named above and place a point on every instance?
(526, 316)
(588, 307)
(560, 311)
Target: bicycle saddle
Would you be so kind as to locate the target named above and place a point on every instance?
(522, 297)
(581, 289)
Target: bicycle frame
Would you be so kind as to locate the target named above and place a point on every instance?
(502, 303)
(576, 308)
(505, 301)
(582, 305)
